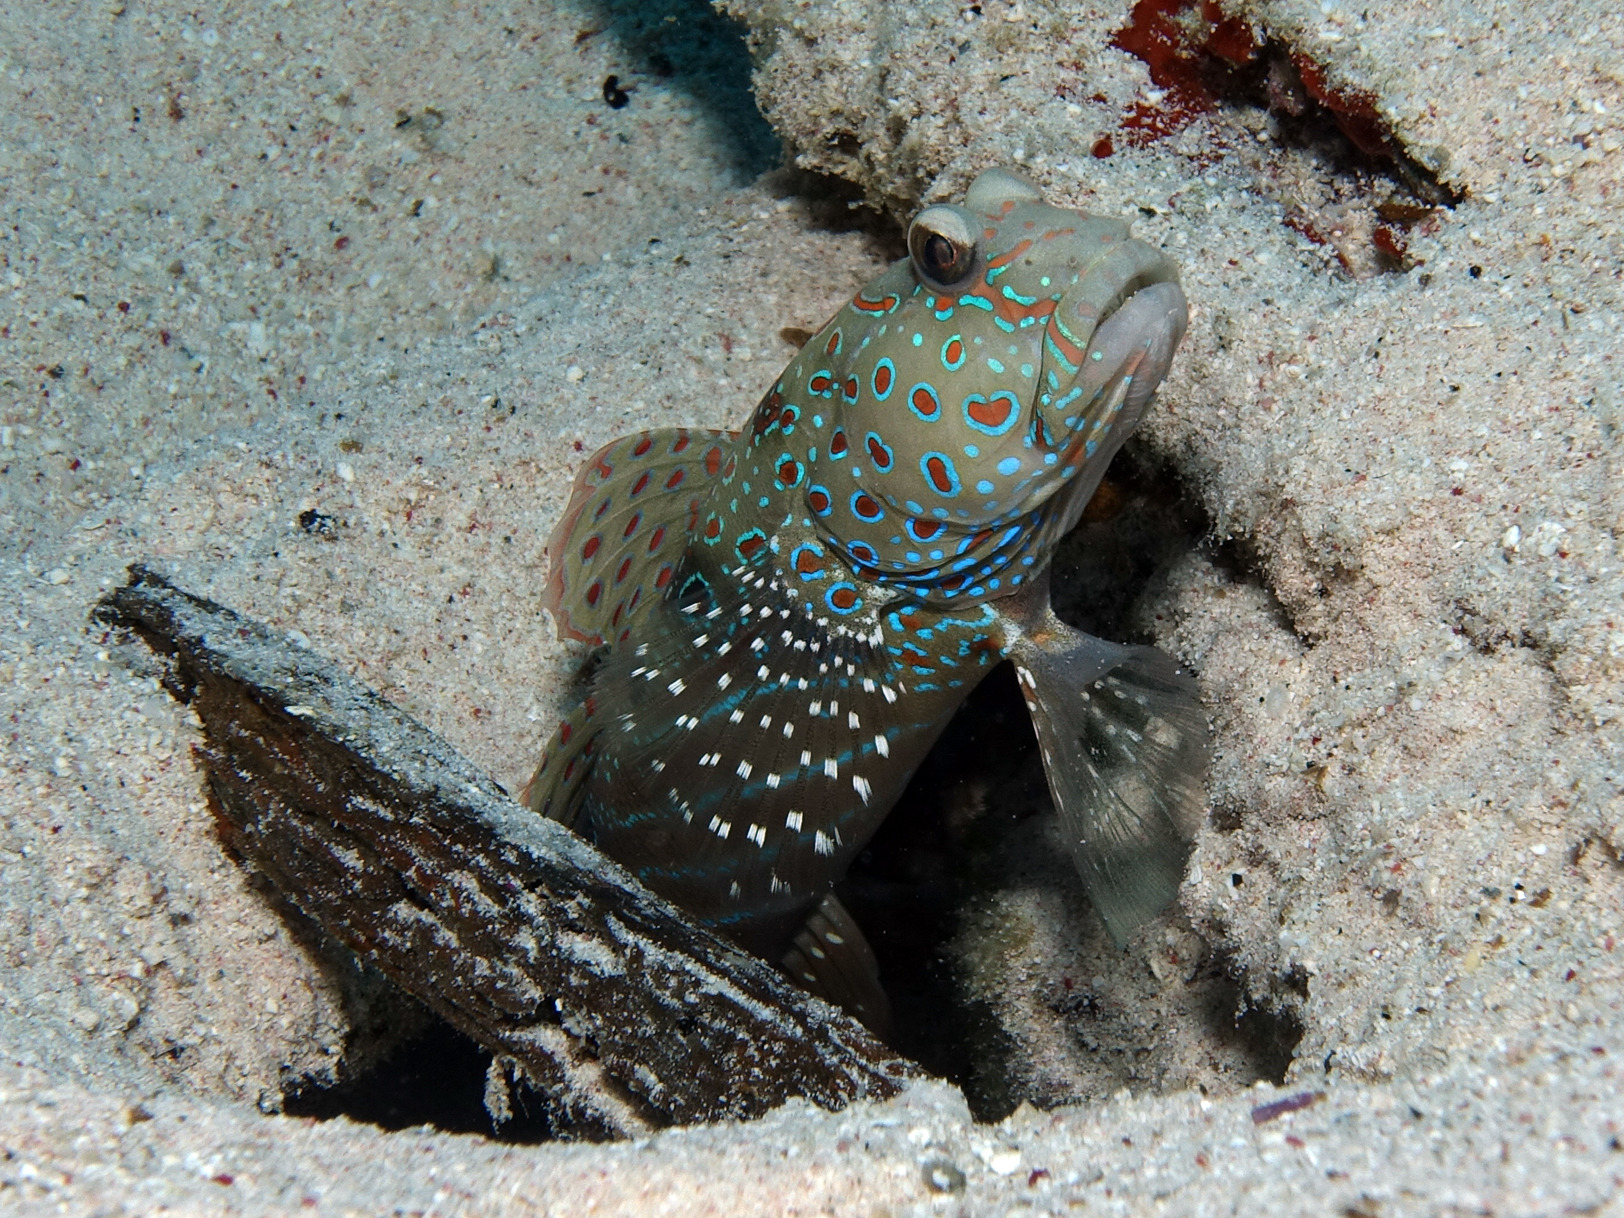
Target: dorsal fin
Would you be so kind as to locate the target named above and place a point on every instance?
(554, 790)
(623, 532)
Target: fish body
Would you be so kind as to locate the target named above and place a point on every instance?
(790, 614)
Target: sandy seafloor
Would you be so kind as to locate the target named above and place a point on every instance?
(401, 265)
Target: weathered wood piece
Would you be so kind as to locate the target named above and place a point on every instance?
(619, 1009)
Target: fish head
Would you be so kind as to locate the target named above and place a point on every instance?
(975, 391)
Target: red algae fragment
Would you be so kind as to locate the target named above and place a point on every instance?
(1230, 37)
(1153, 34)
(1396, 211)
(1391, 246)
(1264, 1113)
(1302, 224)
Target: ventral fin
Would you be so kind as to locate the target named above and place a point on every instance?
(832, 959)
(1124, 743)
(624, 530)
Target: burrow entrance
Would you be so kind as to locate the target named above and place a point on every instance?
(1001, 978)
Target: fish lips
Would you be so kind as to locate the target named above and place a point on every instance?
(1107, 371)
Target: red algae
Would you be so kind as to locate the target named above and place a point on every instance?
(1173, 47)
(1157, 34)
(1199, 55)
(1230, 38)
(1353, 109)
(1302, 224)
(1391, 246)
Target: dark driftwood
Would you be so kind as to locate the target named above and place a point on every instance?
(620, 1010)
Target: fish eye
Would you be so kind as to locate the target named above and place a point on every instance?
(942, 246)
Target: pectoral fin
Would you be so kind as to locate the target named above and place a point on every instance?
(1124, 743)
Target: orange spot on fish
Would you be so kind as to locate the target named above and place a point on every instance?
(1010, 255)
(1072, 352)
(924, 530)
(883, 305)
(990, 414)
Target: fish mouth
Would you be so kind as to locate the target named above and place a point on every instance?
(1110, 371)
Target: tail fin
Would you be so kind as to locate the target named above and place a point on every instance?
(1124, 743)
